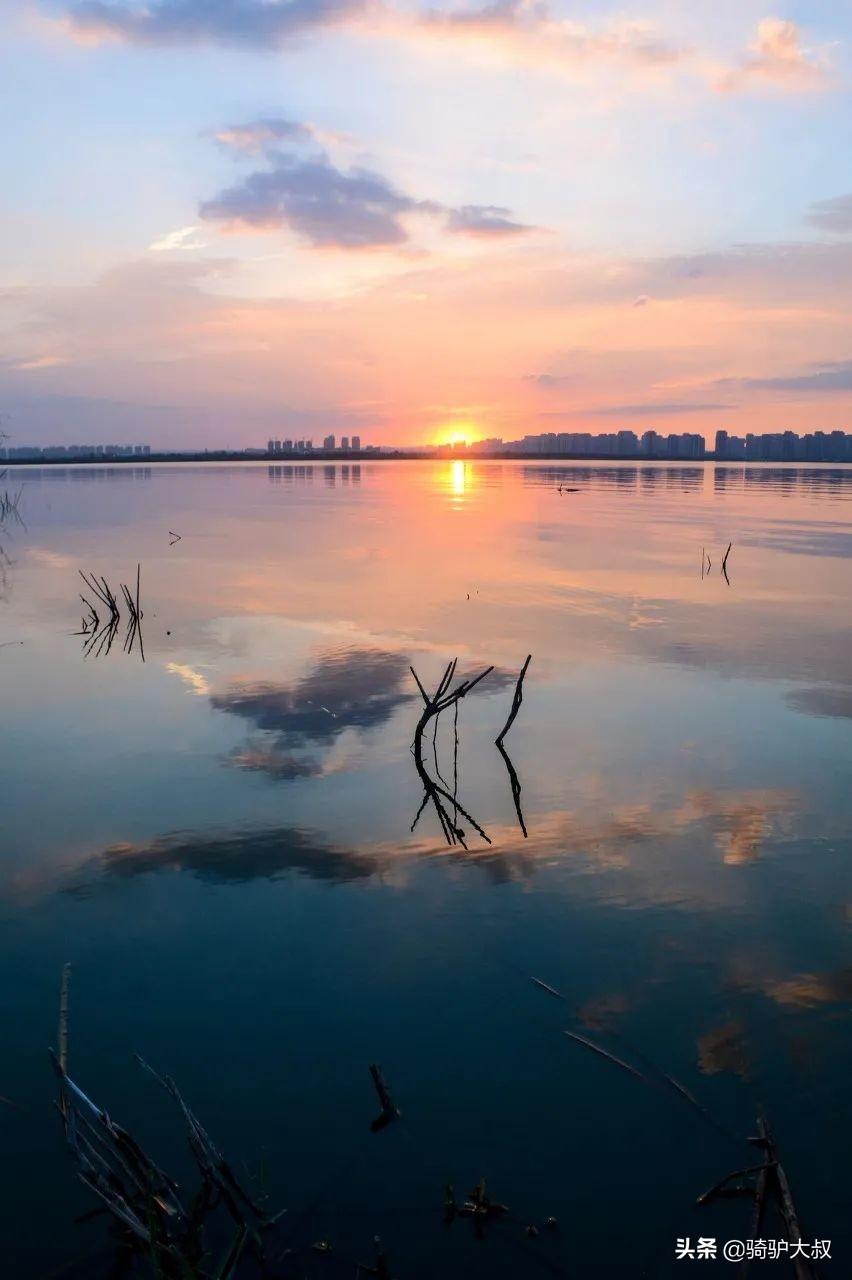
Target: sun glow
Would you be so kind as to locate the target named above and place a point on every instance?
(454, 433)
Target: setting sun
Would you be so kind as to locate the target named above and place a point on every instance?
(453, 433)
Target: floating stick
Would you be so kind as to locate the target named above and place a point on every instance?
(550, 990)
(604, 1053)
(390, 1111)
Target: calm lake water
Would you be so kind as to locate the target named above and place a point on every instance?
(218, 839)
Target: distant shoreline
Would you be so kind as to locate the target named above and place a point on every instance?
(320, 456)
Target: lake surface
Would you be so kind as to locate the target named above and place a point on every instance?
(219, 841)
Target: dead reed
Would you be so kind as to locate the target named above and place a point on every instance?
(100, 635)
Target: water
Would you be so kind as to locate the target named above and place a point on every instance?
(218, 839)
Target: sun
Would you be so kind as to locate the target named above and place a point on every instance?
(455, 433)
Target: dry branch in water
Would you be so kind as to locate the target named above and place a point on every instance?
(100, 636)
(604, 1053)
(390, 1111)
(514, 780)
(438, 791)
(725, 564)
(516, 702)
(441, 798)
(770, 1179)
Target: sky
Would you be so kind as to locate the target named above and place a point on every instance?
(225, 220)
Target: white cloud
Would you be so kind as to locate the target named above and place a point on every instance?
(184, 239)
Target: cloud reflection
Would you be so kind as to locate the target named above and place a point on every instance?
(723, 1050)
(230, 858)
(298, 725)
(825, 700)
(809, 990)
(350, 689)
(595, 844)
(740, 822)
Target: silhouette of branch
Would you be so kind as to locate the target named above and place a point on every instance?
(100, 636)
(516, 702)
(725, 564)
(439, 795)
(514, 780)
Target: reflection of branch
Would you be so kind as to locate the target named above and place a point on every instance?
(434, 791)
(515, 784)
(9, 504)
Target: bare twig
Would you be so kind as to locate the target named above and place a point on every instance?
(551, 991)
(514, 780)
(769, 1178)
(212, 1164)
(439, 794)
(516, 702)
(101, 636)
(390, 1111)
(725, 564)
(604, 1053)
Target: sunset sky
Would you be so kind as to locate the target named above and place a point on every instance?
(230, 219)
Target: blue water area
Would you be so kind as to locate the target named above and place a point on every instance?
(214, 816)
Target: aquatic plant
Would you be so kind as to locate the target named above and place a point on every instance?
(100, 636)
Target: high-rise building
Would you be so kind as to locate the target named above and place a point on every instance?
(356, 443)
(721, 449)
(344, 442)
(328, 442)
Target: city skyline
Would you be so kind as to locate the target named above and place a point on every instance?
(540, 219)
(786, 446)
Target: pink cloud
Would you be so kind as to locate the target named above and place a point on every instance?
(529, 31)
(777, 60)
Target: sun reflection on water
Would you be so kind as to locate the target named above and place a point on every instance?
(459, 478)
